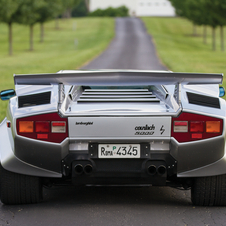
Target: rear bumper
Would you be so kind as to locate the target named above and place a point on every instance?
(37, 158)
(149, 169)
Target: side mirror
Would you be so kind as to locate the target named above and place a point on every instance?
(7, 94)
(221, 91)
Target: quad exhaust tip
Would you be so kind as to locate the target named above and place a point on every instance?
(87, 169)
(79, 169)
(161, 170)
(152, 170)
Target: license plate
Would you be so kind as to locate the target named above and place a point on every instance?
(119, 151)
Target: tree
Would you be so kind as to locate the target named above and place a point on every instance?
(65, 9)
(29, 15)
(68, 5)
(218, 11)
(197, 14)
(183, 10)
(214, 19)
(9, 14)
(80, 10)
(204, 12)
(50, 9)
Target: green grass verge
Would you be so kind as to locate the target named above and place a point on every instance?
(180, 51)
(75, 43)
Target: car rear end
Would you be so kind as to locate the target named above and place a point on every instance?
(125, 131)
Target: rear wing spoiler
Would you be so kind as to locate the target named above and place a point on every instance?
(117, 78)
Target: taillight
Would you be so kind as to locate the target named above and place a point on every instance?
(26, 126)
(189, 127)
(48, 127)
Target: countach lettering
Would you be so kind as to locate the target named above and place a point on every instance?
(147, 127)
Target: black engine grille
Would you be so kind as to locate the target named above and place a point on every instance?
(34, 99)
(203, 100)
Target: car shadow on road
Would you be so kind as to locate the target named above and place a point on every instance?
(117, 195)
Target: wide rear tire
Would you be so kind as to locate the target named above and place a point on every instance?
(19, 189)
(209, 191)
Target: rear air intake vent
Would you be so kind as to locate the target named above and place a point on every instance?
(34, 99)
(117, 96)
(203, 100)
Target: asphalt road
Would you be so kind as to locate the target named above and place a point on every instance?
(131, 48)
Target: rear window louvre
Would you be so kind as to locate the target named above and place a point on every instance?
(117, 96)
(202, 100)
(34, 99)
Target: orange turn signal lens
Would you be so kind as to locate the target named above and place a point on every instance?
(213, 126)
(26, 126)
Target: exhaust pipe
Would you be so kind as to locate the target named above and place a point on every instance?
(161, 170)
(88, 169)
(151, 170)
(78, 169)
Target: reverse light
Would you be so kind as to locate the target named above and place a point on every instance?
(180, 126)
(189, 127)
(47, 127)
(58, 127)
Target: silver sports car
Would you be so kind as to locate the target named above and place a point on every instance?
(114, 127)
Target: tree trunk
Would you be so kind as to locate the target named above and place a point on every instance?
(194, 30)
(222, 38)
(214, 38)
(204, 34)
(67, 14)
(42, 32)
(57, 27)
(31, 38)
(87, 5)
(10, 39)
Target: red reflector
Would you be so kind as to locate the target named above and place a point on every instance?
(8, 124)
(42, 127)
(196, 135)
(196, 126)
(42, 136)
